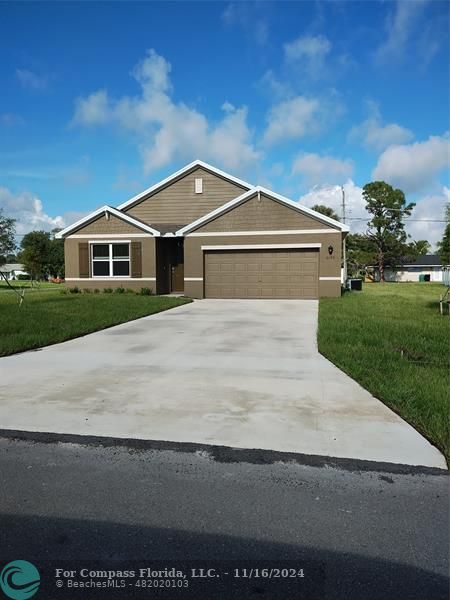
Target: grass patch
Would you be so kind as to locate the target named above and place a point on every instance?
(48, 317)
(28, 285)
(392, 340)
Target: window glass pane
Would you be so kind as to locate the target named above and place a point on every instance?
(121, 267)
(100, 250)
(100, 268)
(120, 251)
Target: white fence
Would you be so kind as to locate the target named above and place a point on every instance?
(446, 276)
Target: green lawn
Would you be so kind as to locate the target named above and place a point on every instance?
(47, 317)
(365, 333)
(28, 285)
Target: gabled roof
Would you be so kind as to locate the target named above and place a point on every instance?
(113, 211)
(246, 195)
(184, 171)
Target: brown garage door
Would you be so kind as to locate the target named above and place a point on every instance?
(262, 274)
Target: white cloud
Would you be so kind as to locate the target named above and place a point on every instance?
(318, 169)
(425, 222)
(312, 57)
(249, 16)
(93, 109)
(356, 215)
(308, 52)
(291, 119)
(30, 80)
(29, 212)
(168, 130)
(377, 136)
(400, 26)
(412, 167)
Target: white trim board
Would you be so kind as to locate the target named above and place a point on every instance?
(266, 232)
(193, 278)
(104, 236)
(103, 241)
(261, 246)
(329, 279)
(261, 190)
(196, 163)
(113, 211)
(116, 279)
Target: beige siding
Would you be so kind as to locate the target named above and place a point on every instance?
(262, 215)
(330, 289)
(128, 284)
(178, 203)
(104, 225)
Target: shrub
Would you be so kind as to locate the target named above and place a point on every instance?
(119, 290)
(74, 290)
(96, 291)
(129, 291)
(87, 291)
(145, 291)
(64, 291)
(107, 290)
(23, 277)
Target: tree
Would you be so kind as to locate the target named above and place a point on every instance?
(361, 253)
(386, 228)
(325, 210)
(418, 248)
(35, 255)
(444, 244)
(56, 256)
(7, 237)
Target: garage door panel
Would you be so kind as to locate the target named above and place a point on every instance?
(261, 274)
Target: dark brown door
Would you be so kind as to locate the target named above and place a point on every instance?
(177, 278)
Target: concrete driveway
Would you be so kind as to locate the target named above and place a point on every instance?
(239, 373)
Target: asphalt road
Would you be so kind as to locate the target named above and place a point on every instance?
(358, 530)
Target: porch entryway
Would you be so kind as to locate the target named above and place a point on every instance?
(169, 265)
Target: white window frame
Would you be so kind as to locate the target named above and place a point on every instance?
(110, 260)
(199, 185)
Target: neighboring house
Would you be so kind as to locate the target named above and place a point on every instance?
(13, 270)
(424, 268)
(207, 234)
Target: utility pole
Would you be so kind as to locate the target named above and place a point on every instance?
(344, 249)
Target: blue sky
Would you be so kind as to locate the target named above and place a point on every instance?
(101, 100)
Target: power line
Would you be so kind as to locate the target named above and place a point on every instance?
(408, 220)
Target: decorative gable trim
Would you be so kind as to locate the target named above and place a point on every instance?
(106, 210)
(249, 194)
(177, 175)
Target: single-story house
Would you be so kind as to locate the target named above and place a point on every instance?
(424, 268)
(207, 234)
(13, 270)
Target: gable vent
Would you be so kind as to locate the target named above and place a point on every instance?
(199, 186)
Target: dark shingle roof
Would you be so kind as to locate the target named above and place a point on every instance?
(428, 260)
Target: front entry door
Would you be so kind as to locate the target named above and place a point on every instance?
(177, 278)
